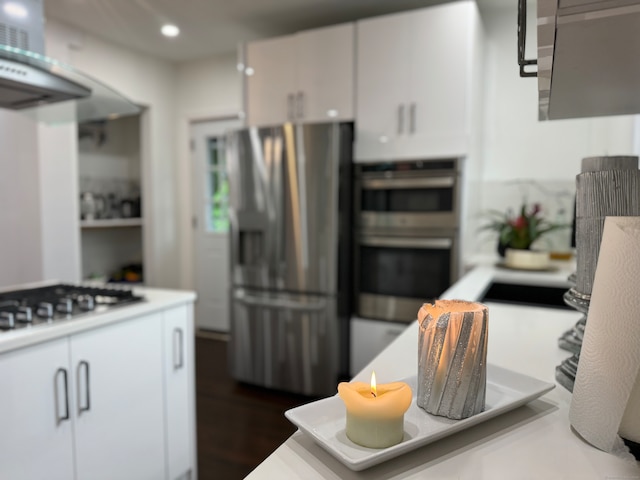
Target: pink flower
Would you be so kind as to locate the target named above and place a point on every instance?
(536, 209)
(521, 222)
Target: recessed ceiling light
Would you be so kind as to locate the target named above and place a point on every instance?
(170, 30)
(249, 71)
(15, 10)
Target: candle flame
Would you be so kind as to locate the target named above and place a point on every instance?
(374, 390)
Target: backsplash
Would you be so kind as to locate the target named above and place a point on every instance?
(556, 198)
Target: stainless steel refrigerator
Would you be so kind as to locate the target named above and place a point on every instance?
(290, 204)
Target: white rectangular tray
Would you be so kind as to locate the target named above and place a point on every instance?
(324, 420)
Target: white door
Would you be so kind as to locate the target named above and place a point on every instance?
(35, 413)
(211, 223)
(119, 417)
(325, 64)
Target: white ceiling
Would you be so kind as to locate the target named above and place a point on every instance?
(210, 27)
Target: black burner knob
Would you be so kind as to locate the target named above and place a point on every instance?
(7, 320)
(45, 310)
(24, 314)
(86, 302)
(65, 305)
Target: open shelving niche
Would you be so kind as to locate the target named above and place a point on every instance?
(109, 167)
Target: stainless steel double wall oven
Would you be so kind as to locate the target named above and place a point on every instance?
(407, 236)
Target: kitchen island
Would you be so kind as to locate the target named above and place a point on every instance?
(109, 393)
(531, 442)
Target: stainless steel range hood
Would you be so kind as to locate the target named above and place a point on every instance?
(588, 58)
(41, 87)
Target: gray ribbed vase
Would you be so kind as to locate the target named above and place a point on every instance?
(606, 186)
(452, 358)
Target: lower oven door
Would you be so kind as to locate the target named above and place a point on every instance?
(396, 275)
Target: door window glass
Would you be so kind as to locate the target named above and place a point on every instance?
(217, 189)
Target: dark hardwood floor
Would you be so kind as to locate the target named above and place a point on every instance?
(238, 425)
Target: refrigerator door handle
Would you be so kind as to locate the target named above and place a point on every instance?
(280, 304)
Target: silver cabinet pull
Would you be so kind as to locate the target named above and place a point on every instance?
(400, 119)
(412, 117)
(300, 104)
(59, 418)
(290, 106)
(178, 350)
(400, 242)
(87, 398)
(404, 183)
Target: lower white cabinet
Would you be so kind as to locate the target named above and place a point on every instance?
(369, 338)
(112, 402)
(179, 388)
(36, 435)
(117, 387)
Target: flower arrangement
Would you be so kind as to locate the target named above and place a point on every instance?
(520, 231)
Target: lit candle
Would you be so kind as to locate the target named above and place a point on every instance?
(452, 358)
(375, 413)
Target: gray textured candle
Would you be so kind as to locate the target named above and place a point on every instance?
(452, 358)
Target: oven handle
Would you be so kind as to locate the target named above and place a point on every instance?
(280, 304)
(389, 183)
(440, 242)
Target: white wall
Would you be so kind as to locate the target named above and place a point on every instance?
(20, 228)
(525, 158)
(205, 89)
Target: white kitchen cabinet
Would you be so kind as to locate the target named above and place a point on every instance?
(119, 389)
(369, 338)
(178, 365)
(306, 77)
(271, 81)
(111, 402)
(35, 407)
(415, 79)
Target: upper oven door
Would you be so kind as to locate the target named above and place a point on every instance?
(389, 200)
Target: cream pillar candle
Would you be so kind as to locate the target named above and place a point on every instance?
(375, 413)
(452, 358)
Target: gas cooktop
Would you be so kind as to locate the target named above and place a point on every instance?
(53, 303)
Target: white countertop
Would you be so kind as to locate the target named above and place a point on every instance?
(155, 299)
(532, 442)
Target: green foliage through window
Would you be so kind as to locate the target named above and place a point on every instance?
(218, 188)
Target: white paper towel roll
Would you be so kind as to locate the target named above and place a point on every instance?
(606, 395)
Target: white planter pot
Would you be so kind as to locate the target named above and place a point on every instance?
(526, 259)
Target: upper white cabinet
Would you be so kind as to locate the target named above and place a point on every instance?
(306, 77)
(415, 76)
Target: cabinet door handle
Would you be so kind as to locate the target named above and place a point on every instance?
(59, 418)
(300, 104)
(412, 117)
(179, 362)
(400, 119)
(290, 106)
(87, 397)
